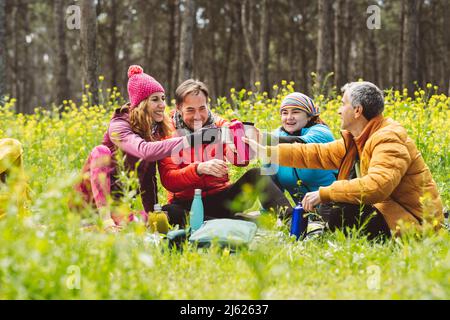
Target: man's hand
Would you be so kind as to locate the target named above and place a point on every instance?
(253, 133)
(310, 200)
(214, 167)
(205, 136)
(258, 149)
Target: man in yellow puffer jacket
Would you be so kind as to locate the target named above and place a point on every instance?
(382, 175)
(13, 185)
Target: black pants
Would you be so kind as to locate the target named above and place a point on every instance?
(343, 215)
(237, 198)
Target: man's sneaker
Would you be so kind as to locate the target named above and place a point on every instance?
(315, 229)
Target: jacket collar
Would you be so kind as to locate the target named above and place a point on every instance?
(372, 126)
(355, 145)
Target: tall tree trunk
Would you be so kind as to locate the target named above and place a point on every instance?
(410, 60)
(128, 59)
(89, 46)
(28, 82)
(213, 35)
(264, 46)
(347, 40)
(399, 82)
(3, 52)
(294, 35)
(62, 67)
(303, 48)
(446, 33)
(15, 87)
(291, 58)
(21, 57)
(239, 54)
(112, 47)
(372, 56)
(187, 40)
(247, 32)
(228, 50)
(433, 51)
(386, 74)
(363, 58)
(338, 42)
(325, 40)
(304, 70)
(292, 48)
(148, 30)
(7, 42)
(215, 68)
(171, 61)
(176, 62)
(420, 56)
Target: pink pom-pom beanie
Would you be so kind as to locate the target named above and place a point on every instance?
(141, 85)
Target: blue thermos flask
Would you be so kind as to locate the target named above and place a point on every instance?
(299, 222)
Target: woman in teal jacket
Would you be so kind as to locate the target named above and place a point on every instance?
(301, 124)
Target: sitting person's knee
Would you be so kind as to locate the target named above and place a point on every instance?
(101, 150)
(10, 151)
(10, 156)
(13, 144)
(255, 171)
(253, 175)
(101, 156)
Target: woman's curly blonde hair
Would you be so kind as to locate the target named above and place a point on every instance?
(142, 122)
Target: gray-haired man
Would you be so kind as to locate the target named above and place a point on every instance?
(382, 175)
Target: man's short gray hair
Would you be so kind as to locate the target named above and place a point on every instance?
(367, 95)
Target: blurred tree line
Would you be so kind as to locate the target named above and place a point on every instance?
(232, 43)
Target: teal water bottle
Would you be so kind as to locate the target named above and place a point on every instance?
(196, 214)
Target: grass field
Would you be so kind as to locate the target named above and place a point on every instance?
(48, 255)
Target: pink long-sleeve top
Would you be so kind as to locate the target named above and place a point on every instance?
(120, 135)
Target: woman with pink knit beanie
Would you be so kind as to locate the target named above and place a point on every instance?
(140, 129)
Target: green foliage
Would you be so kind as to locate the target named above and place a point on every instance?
(50, 256)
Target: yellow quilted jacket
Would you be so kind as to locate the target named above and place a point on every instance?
(394, 177)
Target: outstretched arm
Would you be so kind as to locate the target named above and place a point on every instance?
(123, 137)
(313, 156)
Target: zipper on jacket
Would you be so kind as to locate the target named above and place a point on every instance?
(345, 155)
